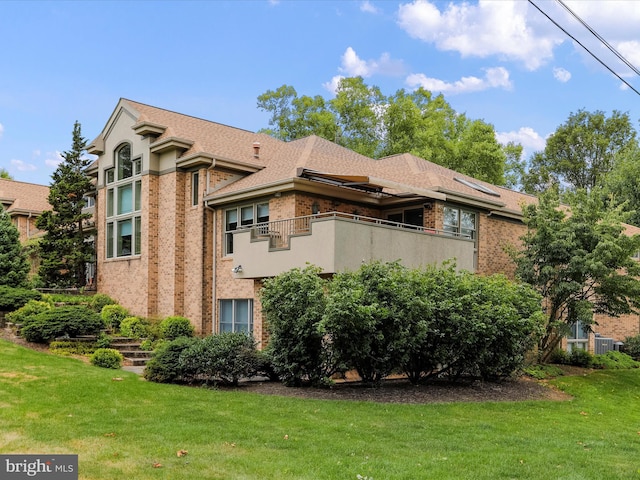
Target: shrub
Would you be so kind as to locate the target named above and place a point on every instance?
(580, 358)
(107, 358)
(112, 315)
(293, 304)
(559, 356)
(70, 347)
(103, 340)
(99, 300)
(365, 321)
(66, 299)
(61, 321)
(541, 372)
(164, 366)
(225, 357)
(134, 327)
(13, 298)
(174, 327)
(614, 360)
(632, 347)
(28, 310)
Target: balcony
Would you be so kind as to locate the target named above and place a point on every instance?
(339, 241)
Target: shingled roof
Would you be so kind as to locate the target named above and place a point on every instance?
(279, 162)
(23, 198)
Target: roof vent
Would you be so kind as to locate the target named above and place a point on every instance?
(256, 149)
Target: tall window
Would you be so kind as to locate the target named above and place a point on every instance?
(578, 339)
(242, 217)
(236, 315)
(124, 192)
(195, 191)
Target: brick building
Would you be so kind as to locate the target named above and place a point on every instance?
(24, 202)
(191, 215)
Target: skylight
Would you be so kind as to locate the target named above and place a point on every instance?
(477, 186)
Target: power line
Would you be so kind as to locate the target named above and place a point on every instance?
(599, 37)
(586, 49)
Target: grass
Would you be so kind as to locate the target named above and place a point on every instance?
(122, 428)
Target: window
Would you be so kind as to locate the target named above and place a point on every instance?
(195, 194)
(247, 215)
(124, 204)
(236, 315)
(414, 216)
(458, 221)
(578, 339)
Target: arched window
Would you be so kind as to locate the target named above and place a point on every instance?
(123, 157)
(124, 196)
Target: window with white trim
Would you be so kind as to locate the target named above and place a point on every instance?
(124, 200)
(236, 315)
(242, 216)
(578, 338)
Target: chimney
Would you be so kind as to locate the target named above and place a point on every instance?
(256, 149)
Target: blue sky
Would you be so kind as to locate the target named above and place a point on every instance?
(500, 61)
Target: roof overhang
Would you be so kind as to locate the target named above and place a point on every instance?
(369, 184)
(171, 143)
(149, 128)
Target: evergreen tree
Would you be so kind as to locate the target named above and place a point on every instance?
(64, 250)
(13, 264)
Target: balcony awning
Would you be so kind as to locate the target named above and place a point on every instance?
(369, 184)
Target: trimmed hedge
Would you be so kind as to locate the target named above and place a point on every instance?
(175, 327)
(107, 358)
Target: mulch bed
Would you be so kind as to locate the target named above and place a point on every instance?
(394, 390)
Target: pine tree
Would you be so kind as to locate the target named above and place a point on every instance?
(64, 250)
(13, 263)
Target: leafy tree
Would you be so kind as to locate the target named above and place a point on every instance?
(580, 262)
(361, 118)
(581, 151)
(293, 304)
(621, 184)
(64, 249)
(5, 174)
(14, 266)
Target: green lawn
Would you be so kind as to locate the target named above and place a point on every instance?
(121, 428)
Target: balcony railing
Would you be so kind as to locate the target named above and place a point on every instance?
(279, 232)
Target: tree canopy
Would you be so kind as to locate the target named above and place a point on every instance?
(621, 184)
(5, 174)
(362, 118)
(14, 266)
(64, 250)
(580, 262)
(581, 152)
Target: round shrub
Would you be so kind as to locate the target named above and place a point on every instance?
(134, 327)
(632, 347)
(99, 300)
(112, 315)
(67, 321)
(30, 309)
(580, 358)
(164, 366)
(107, 358)
(174, 327)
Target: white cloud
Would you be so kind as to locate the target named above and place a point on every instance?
(332, 85)
(23, 166)
(1, 130)
(368, 7)
(352, 65)
(631, 51)
(53, 159)
(481, 30)
(530, 140)
(561, 74)
(497, 77)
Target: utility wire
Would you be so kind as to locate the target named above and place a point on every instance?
(599, 37)
(588, 51)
